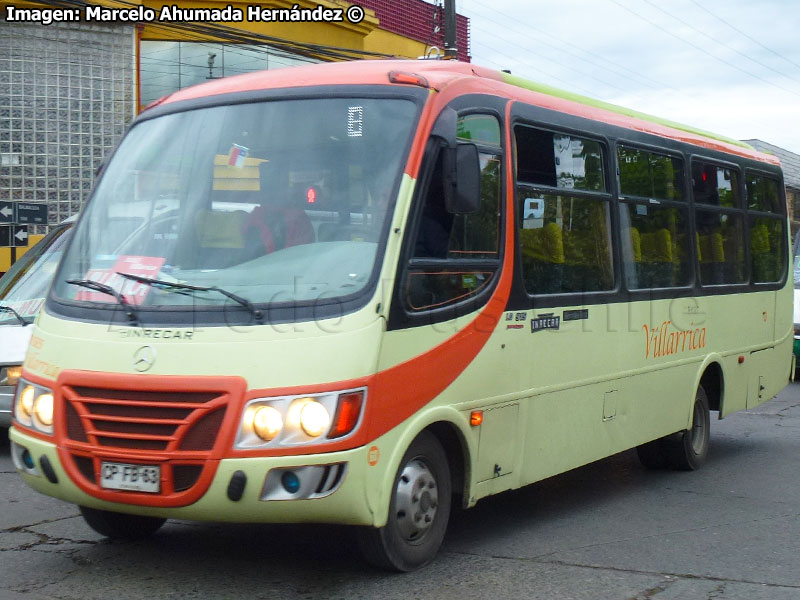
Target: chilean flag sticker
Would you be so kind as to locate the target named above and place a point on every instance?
(236, 155)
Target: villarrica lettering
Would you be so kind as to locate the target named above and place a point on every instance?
(666, 339)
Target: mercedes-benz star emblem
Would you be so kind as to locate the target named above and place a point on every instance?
(144, 358)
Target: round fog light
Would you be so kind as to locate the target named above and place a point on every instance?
(291, 482)
(27, 459)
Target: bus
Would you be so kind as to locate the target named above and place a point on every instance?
(385, 289)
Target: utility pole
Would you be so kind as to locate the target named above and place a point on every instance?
(450, 48)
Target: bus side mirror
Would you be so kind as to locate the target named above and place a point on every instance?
(464, 196)
(461, 167)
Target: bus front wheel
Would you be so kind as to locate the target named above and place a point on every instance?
(120, 526)
(686, 450)
(418, 510)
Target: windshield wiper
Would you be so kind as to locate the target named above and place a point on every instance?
(167, 285)
(19, 317)
(107, 289)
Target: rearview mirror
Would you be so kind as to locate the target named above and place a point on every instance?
(461, 167)
(465, 196)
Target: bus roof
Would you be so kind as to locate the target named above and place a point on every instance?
(440, 74)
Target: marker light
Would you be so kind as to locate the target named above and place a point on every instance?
(26, 401)
(476, 418)
(314, 418)
(348, 411)
(10, 375)
(267, 423)
(43, 409)
(409, 78)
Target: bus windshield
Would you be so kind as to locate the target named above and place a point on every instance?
(280, 202)
(24, 287)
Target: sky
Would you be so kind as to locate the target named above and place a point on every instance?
(727, 66)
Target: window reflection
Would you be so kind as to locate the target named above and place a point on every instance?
(169, 66)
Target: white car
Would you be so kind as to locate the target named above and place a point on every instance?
(22, 293)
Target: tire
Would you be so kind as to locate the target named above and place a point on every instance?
(686, 450)
(418, 510)
(652, 455)
(120, 526)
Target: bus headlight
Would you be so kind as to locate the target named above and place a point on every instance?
(33, 406)
(25, 404)
(267, 422)
(302, 419)
(43, 409)
(314, 418)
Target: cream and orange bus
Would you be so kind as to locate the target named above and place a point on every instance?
(367, 291)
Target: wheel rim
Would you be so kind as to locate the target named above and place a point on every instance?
(699, 430)
(417, 500)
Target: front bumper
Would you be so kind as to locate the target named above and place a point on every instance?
(347, 504)
(6, 402)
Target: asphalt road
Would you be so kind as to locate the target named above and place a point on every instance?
(610, 530)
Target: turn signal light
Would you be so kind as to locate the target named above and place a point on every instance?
(348, 412)
(476, 418)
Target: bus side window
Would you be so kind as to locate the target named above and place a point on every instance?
(654, 218)
(564, 225)
(767, 225)
(457, 255)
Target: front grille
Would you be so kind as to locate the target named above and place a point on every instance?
(173, 422)
(143, 420)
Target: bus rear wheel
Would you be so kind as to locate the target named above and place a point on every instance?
(686, 450)
(120, 526)
(418, 510)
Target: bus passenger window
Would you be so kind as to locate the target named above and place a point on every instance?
(655, 245)
(720, 247)
(646, 174)
(767, 230)
(564, 233)
(715, 185)
(767, 244)
(762, 194)
(565, 243)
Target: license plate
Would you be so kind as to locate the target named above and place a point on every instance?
(135, 478)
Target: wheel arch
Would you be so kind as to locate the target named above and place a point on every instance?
(713, 382)
(457, 451)
(451, 430)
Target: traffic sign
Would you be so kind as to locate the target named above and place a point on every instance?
(6, 212)
(27, 213)
(19, 236)
(5, 236)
